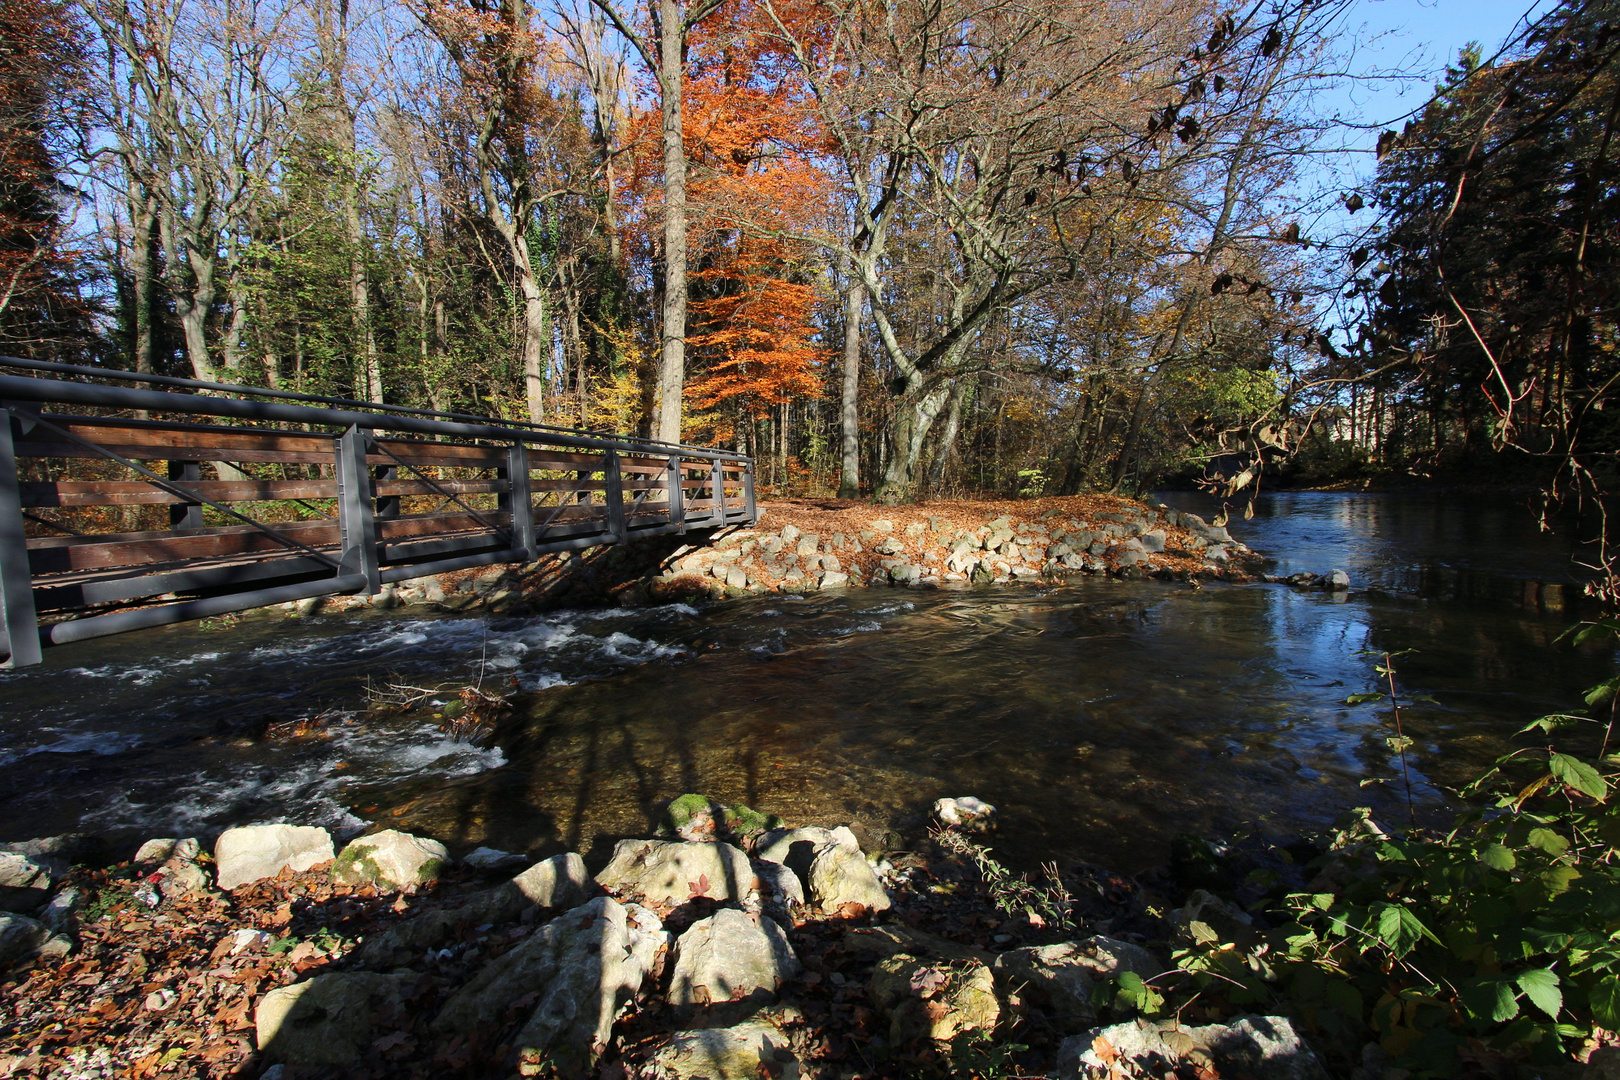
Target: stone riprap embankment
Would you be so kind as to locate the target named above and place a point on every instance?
(808, 546)
(729, 946)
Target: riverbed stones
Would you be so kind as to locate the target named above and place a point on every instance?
(1153, 540)
(174, 864)
(668, 873)
(326, 1020)
(744, 1051)
(933, 1001)
(731, 956)
(1337, 581)
(252, 852)
(580, 970)
(391, 860)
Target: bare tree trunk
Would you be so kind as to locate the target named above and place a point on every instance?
(672, 355)
(143, 222)
(947, 438)
(849, 485)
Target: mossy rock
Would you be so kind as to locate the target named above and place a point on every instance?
(698, 817)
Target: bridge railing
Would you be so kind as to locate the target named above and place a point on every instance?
(123, 507)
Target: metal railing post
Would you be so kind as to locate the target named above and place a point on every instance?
(748, 493)
(615, 495)
(518, 499)
(387, 505)
(185, 515)
(677, 496)
(17, 615)
(357, 518)
(717, 491)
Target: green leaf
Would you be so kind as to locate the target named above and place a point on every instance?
(1398, 928)
(1554, 722)
(1541, 987)
(1548, 841)
(1577, 774)
(1398, 743)
(1605, 999)
(1603, 692)
(1605, 628)
(1362, 699)
(1498, 857)
(1494, 1000)
(1345, 998)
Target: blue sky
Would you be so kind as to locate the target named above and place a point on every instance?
(1420, 37)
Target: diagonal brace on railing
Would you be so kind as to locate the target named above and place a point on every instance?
(181, 493)
(481, 519)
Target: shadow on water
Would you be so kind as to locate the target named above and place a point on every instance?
(1102, 717)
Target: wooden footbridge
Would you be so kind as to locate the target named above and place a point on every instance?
(263, 496)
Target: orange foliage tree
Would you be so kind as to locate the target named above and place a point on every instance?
(755, 184)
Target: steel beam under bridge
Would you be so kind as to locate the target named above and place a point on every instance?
(309, 496)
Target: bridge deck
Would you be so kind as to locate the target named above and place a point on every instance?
(304, 499)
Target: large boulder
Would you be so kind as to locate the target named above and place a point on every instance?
(935, 1001)
(731, 956)
(390, 859)
(668, 873)
(252, 852)
(1259, 1047)
(746, 1051)
(580, 969)
(326, 1020)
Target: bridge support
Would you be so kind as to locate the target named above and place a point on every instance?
(17, 614)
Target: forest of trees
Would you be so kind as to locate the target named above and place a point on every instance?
(896, 248)
(889, 247)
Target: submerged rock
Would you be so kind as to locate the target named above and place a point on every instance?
(698, 817)
(390, 860)
(252, 852)
(488, 860)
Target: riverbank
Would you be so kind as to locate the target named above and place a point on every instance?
(729, 946)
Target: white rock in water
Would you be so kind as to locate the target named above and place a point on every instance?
(253, 852)
(1338, 581)
(390, 859)
(966, 811)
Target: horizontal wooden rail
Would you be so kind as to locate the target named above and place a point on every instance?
(290, 501)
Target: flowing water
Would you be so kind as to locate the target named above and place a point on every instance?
(1102, 717)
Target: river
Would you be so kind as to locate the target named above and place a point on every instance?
(1102, 716)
